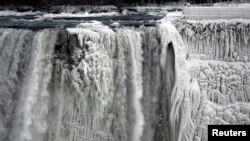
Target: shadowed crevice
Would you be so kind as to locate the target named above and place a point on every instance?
(162, 131)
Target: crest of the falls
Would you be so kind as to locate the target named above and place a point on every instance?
(94, 82)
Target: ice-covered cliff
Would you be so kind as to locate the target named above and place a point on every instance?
(94, 82)
(218, 64)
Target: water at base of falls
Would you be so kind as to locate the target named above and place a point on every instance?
(93, 82)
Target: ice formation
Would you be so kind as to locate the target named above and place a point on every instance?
(94, 82)
(217, 57)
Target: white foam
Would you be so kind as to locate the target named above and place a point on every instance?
(86, 14)
(14, 13)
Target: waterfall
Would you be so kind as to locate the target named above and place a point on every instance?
(30, 71)
(135, 56)
(13, 59)
(88, 83)
(94, 82)
(30, 116)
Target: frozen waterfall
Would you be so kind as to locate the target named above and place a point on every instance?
(101, 83)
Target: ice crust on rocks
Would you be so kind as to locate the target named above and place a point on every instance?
(226, 40)
(217, 58)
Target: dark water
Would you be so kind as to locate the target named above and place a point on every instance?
(31, 21)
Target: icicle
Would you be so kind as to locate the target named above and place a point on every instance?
(195, 97)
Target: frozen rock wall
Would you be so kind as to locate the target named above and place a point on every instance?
(126, 69)
(218, 64)
(225, 40)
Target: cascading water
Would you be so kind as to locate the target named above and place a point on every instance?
(30, 115)
(135, 56)
(94, 82)
(24, 83)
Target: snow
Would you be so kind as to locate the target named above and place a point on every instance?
(171, 16)
(115, 24)
(175, 14)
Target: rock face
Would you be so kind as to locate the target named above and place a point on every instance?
(93, 82)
